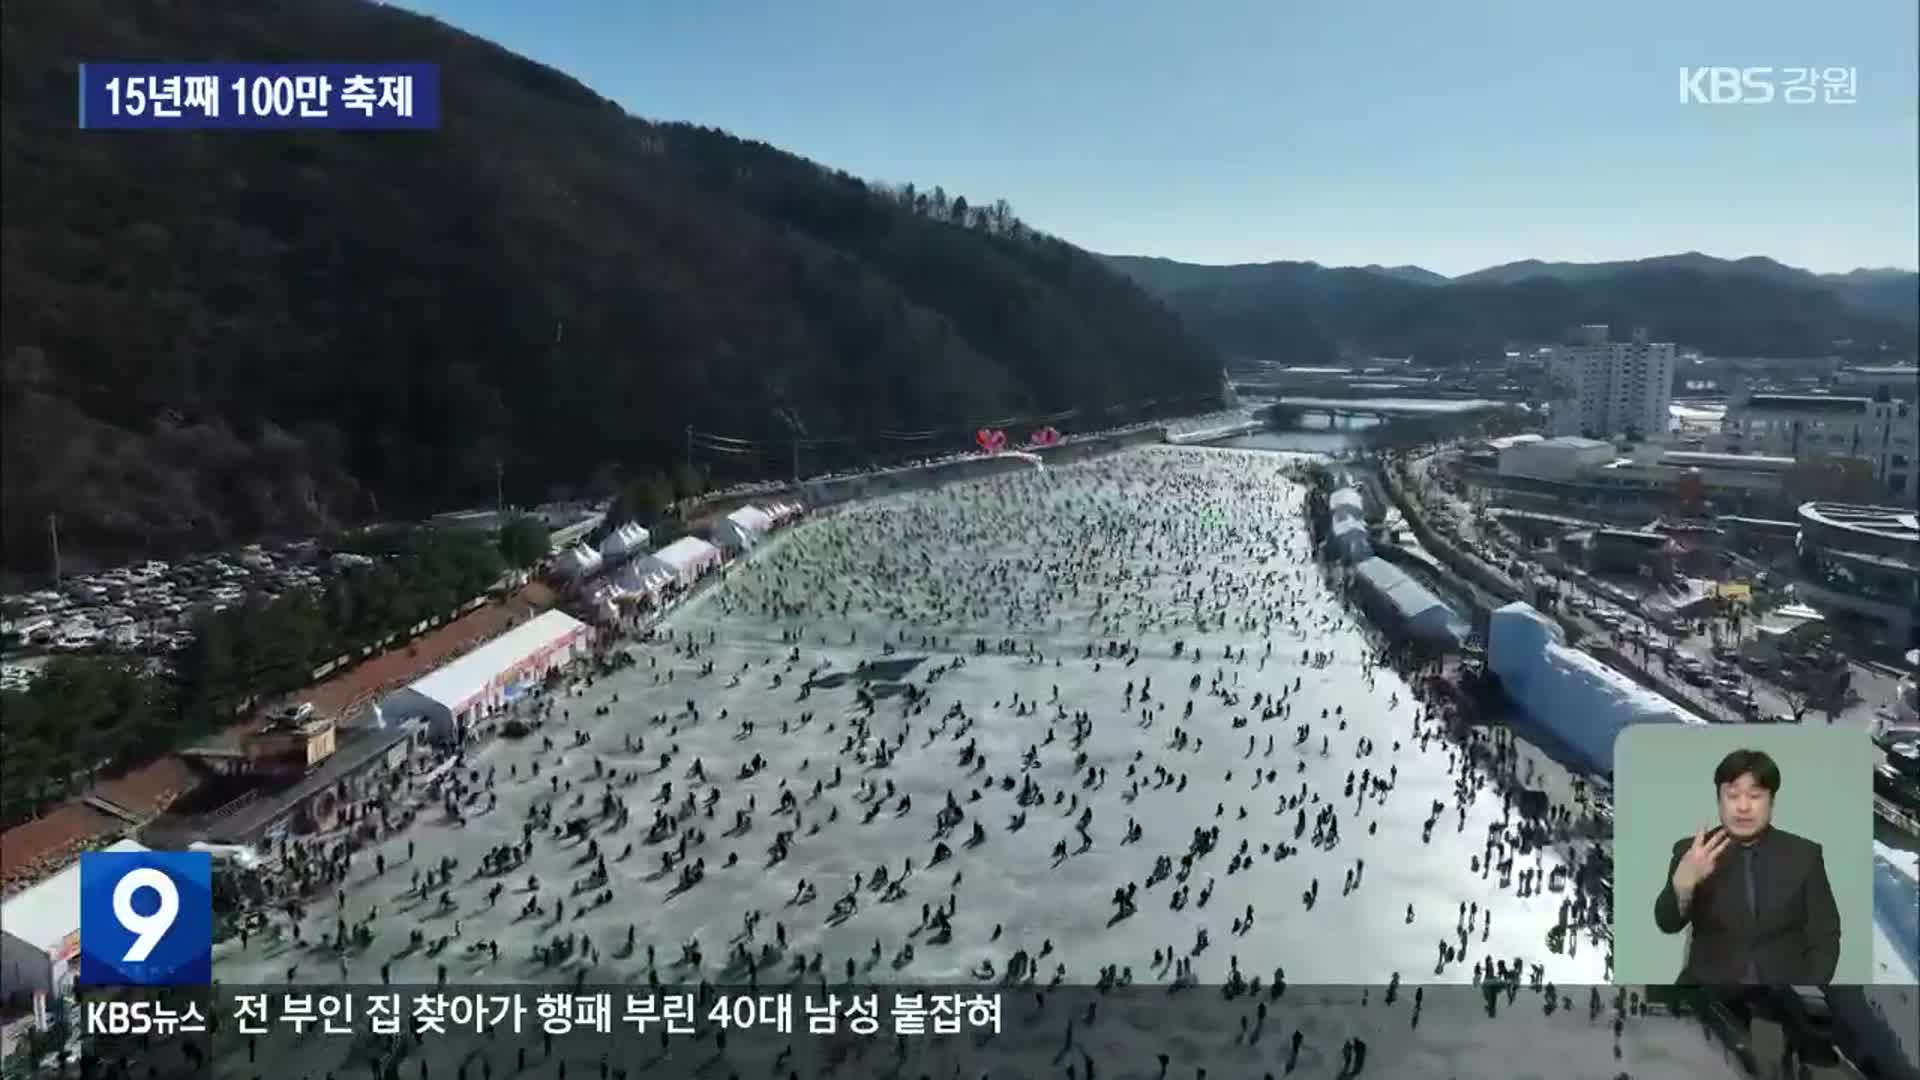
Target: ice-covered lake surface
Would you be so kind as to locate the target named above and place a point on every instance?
(1145, 549)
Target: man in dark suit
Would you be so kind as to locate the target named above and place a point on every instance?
(1757, 897)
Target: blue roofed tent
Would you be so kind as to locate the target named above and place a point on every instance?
(1414, 606)
(1349, 539)
(1582, 701)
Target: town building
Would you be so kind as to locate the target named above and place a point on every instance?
(1812, 425)
(1607, 387)
(570, 524)
(1762, 539)
(288, 744)
(1733, 477)
(290, 801)
(1563, 457)
(1648, 478)
(478, 520)
(1900, 382)
(1906, 701)
(40, 934)
(451, 698)
(1860, 566)
(1628, 551)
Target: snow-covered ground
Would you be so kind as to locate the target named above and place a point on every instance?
(1896, 901)
(1149, 548)
(1896, 941)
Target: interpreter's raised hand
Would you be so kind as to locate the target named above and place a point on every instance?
(1701, 857)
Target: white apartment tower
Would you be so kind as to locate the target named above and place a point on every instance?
(1612, 386)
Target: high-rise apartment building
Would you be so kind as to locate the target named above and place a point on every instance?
(1606, 388)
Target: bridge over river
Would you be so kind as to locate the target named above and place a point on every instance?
(1339, 410)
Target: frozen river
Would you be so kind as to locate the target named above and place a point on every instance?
(1183, 571)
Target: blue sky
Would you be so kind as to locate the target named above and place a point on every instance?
(1453, 134)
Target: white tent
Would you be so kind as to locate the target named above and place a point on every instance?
(240, 855)
(783, 512)
(743, 528)
(40, 932)
(1350, 539)
(578, 562)
(1575, 696)
(642, 577)
(1347, 502)
(624, 542)
(449, 696)
(1418, 609)
(684, 560)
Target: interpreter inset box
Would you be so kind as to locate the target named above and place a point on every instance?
(1742, 855)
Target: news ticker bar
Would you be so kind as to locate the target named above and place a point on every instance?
(510, 1011)
(259, 97)
(864, 1011)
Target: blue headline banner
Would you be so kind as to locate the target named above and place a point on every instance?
(260, 97)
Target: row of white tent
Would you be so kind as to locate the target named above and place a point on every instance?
(681, 563)
(1347, 512)
(581, 561)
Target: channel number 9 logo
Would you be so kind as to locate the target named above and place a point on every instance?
(146, 918)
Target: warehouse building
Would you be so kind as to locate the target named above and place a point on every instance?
(451, 698)
(1563, 458)
(40, 934)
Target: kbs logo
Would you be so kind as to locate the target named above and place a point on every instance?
(146, 918)
(1726, 86)
(142, 1018)
(1764, 85)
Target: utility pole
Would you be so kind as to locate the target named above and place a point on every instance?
(689, 447)
(794, 431)
(53, 533)
(499, 486)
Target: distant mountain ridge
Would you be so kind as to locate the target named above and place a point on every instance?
(1301, 311)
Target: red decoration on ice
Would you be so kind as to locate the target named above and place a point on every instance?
(991, 441)
(1046, 436)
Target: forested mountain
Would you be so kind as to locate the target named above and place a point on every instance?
(210, 336)
(1301, 312)
(1884, 293)
(1419, 275)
